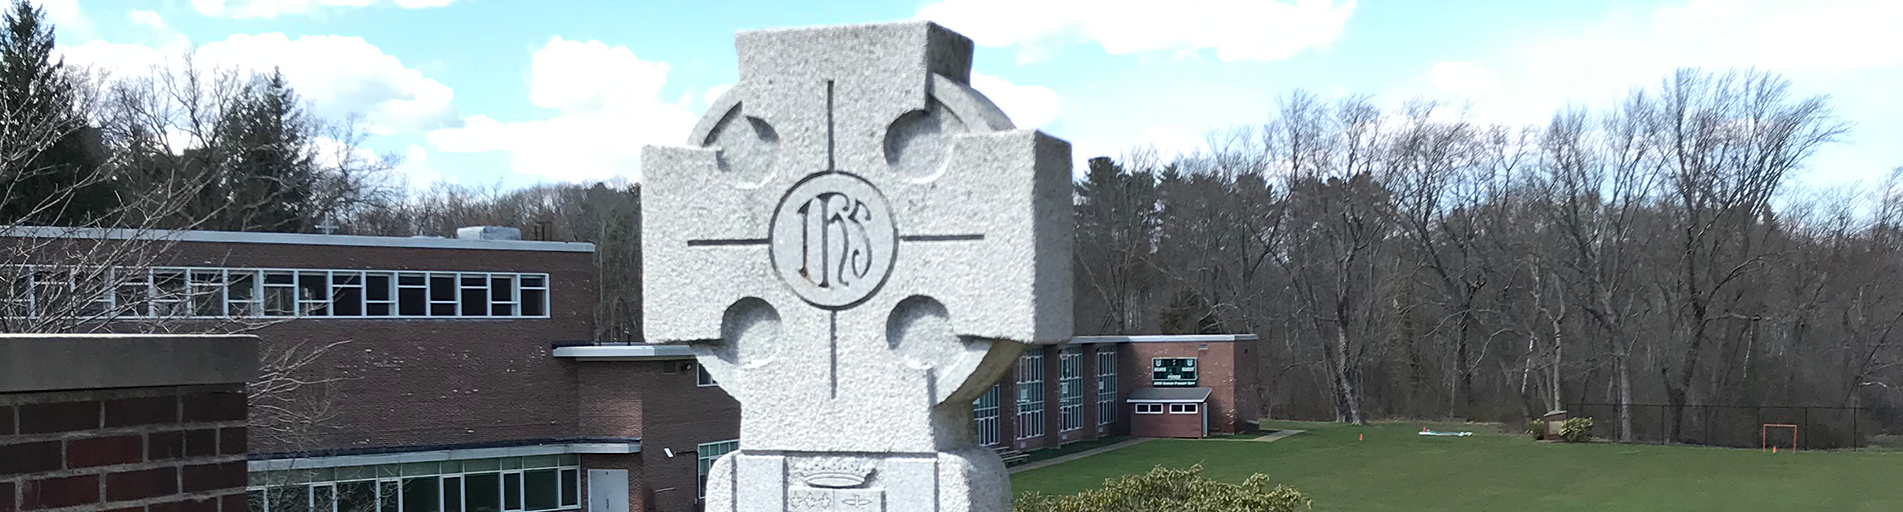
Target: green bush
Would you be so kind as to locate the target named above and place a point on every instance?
(1576, 430)
(1171, 490)
(1537, 428)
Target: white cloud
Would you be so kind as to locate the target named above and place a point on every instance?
(607, 105)
(343, 75)
(243, 9)
(66, 19)
(1464, 78)
(1256, 30)
(114, 58)
(1029, 106)
(340, 76)
(586, 76)
(417, 171)
(1596, 65)
(714, 93)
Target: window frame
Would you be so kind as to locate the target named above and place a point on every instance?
(220, 293)
(1148, 408)
(1186, 408)
(1030, 374)
(1106, 385)
(705, 461)
(1070, 389)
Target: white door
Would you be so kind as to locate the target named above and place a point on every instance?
(607, 490)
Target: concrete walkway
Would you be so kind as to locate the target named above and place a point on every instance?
(1277, 436)
(1079, 455)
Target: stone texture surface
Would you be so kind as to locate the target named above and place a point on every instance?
(857, 244)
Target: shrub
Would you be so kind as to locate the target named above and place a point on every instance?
(1171, 490)
(1576, 430)
(1537, 428)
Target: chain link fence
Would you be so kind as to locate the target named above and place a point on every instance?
(1744, 426)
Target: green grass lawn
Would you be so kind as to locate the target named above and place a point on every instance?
(1395, 469)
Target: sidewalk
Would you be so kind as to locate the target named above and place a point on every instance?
(1079, 455)
(1277, 436)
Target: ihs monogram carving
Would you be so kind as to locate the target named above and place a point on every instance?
(833, 239)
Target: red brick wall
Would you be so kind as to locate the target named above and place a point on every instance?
(396, 380)
(166, 449)
(667, 411)
(1218, 367)
(1167, 424)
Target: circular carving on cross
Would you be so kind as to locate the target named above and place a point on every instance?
(833, 239)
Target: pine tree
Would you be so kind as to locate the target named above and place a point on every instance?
(268, 172)
(50, 161)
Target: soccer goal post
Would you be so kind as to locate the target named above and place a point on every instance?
(1764, 436)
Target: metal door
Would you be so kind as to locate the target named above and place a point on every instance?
(607, 490)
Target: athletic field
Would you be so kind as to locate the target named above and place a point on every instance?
(1394, 469)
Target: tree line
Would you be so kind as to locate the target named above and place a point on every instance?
(1407, 263)
(1396, 262)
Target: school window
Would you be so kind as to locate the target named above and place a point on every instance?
(1070, 389)
(197, 292)
(707, 454)
(1031, 394)
(1149, 408)
(527, 484)
(1106, 385)
(1183, 408)
(703, 379)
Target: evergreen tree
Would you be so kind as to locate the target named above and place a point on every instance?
(50, 161)
(268, 173)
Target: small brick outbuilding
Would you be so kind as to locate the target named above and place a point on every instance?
(1169, 412)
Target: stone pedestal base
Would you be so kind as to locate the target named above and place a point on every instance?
(967, 480)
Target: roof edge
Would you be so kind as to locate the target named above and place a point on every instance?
(242, 237)
(1167, 338)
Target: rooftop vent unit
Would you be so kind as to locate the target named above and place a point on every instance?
(488, 233)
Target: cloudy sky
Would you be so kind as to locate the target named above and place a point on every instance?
(513, 92)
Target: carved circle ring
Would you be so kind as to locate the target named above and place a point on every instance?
(833, 240)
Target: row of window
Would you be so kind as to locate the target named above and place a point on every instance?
(202, 292)
(1173, 408)
(469, 490)
(1030, 399)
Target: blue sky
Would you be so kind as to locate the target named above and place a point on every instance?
(512, 92)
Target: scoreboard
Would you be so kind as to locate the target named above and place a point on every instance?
(1173, 372)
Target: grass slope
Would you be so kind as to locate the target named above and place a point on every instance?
(1395, 469)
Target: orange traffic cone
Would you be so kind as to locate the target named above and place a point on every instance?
(1362, 437)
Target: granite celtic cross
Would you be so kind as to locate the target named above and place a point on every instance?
(856, 244)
